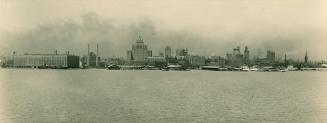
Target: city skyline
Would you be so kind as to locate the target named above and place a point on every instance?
(148, 53)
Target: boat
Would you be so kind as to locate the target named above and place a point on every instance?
(245, 68)
(213, 68)
(148, 67)
(283, 70)
(176, 68)
(113, 67)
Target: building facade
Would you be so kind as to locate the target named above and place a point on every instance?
(139, 51)
(306, 58)
(46, 60)
(168, 52)
(181, 52)
(217, 61)
(196, 60)
(92, 60)
(246, 56)
(271, 56)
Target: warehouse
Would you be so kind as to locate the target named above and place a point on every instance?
(46, 61)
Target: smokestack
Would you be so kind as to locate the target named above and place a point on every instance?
(88, 54)
(97, 60)
(97, 50)
(56, 52)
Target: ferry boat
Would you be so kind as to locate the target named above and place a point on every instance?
(283, 70)
(245, 68)
(175, 67)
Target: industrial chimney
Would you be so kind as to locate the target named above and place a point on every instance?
(97, 56)
(88, 55)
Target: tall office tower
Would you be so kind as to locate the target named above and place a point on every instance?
(246, 56)
(306, 57)
(168, 52)
(139, 51)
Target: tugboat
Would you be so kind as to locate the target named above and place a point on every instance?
(113, 67)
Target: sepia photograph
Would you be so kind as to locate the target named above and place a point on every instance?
(163, 61)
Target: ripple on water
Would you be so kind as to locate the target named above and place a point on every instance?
(158, 96)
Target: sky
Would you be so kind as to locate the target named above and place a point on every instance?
(206, 27)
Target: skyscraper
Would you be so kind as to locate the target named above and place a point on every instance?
(246, 56)
(129, 55)
(236, 51)
(139, 51)
(181, 52)
(271, 56)
(92, 58)
(237, 59)
(168, 52)
(229, 58)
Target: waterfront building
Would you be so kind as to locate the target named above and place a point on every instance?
(172, 60)
(237, 59)
(117, 61)
(92, 60)
(217, 61)
(129, 55)
(236, 51)
(246, 56)
(83, 61)
(149, 53)
(271, 56)
(229, 59)
(155, 59)
(181, 52)
(139, 51)
(161, 54)
(168, 52)
(196, 60)
(46, 60)
(306, 57)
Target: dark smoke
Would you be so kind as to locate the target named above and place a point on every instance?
(115, 39)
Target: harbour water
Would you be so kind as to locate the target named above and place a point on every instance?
(96, 96)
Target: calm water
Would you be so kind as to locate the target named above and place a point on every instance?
(28, 95)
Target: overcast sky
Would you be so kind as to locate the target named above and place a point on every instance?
(211, 27)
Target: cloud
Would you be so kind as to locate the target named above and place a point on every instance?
(115, 38)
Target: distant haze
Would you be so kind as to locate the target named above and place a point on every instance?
(204, 27)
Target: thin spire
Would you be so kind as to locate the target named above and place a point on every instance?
(139, 40)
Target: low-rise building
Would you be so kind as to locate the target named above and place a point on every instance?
(46, 60)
